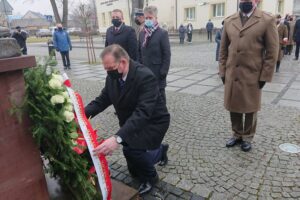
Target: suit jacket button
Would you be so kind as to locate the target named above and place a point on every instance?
(237, 65)
(241, 35)
(236, 79)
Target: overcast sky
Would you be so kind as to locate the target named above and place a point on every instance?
(42, 6)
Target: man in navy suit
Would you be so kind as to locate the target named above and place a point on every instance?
(121, 34)
(154, 48)
(143, 116)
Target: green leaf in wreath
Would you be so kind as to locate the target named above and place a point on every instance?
(74, 135)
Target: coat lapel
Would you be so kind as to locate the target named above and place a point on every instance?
(237, 21)
(252, 20)
(129, 80)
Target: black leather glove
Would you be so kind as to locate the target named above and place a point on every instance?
(261, 84)
(223, 80)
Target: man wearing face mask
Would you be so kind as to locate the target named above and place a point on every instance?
(248, 54)
(143, 116)
(21, 37)
(121, 34)
(62, 43)
(140, 22)
(154, 48)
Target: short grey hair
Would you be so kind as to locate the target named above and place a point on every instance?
(151, 10)
(116, 51)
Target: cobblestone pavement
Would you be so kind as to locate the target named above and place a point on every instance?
(200, 164)
(194, 71)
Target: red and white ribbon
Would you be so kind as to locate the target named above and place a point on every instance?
(90, 136)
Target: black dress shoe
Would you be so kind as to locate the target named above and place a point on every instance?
(145, 188)
(246, 146)
(233, 141)
(164, 158)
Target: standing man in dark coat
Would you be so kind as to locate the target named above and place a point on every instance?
(209, 29)
(143, 116)
(218, 41)
(248, 54)
(297, 38)
(154, 48)
(140, 22)
(21, 37)
(189, 31)
(121, 34)
(182, 32)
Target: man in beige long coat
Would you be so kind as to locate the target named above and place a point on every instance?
(248, 54)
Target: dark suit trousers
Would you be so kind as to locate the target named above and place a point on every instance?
(209, 35)
(297, 50)
(244, 125)
(189, 37)
(65, 58)
(141, 162)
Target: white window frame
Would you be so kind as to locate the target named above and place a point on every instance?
(218, 9)
(282, 6)
(188, 13)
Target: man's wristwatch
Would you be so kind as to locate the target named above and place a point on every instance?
(119, 139)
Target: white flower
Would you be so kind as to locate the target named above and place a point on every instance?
(69, 100)
(57, 99)
(55, 84)
(69, 107)
(58, 77)
(65, 94)
(69, 116)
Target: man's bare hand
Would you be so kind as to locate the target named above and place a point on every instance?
(107, 147)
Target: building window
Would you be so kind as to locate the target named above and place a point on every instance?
(103, 19)
(280, 6)
(218, 10)
(190, 13)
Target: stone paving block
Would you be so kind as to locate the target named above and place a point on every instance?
(210, 71)
(186, 185)
(185, 73)
(197, 89)
(282, 80)
(211, 82)
(202, 190)
(181, 83)
(218, 196)
(295, 85)
(172, 77)
(198, 76)
(83, 76)
(268, 97)
(216, 94)
(170, 88)
(274, 87)
(172, 179)
(292, 94)
(196, 197)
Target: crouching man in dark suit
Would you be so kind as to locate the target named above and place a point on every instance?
(143, 116)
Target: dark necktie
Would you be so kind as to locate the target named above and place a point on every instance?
(122, 83)
(244, 19)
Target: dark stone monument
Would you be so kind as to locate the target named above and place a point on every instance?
(9, 48)
(21, 174)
